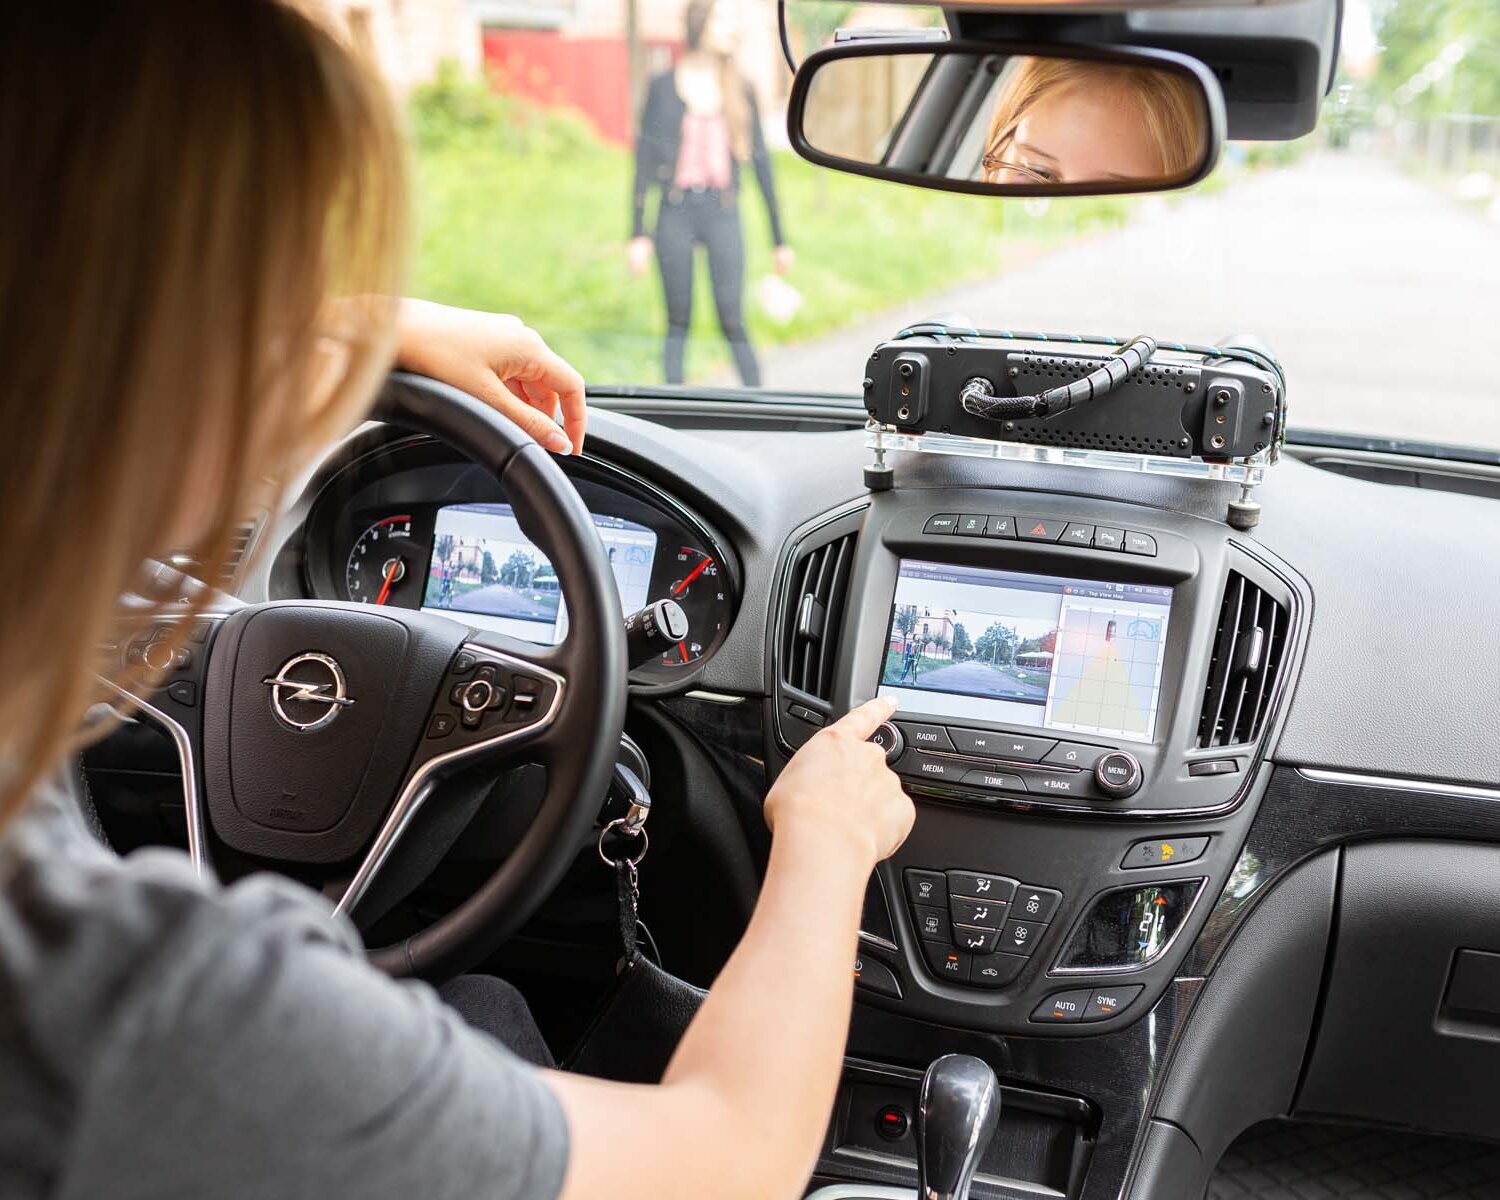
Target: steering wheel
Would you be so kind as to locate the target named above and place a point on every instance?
(313, 733)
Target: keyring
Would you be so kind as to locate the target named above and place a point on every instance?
(631, 862)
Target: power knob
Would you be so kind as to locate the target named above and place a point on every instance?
(1119, 774)
(889, 739)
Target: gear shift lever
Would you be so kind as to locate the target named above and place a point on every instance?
(957, 1113)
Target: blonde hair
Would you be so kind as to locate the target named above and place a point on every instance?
(201, 201)
(1169, 107)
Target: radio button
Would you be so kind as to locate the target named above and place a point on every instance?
(1075, 754)
(942, 523)
(925, 766)
(978, 886)
(1035, 903)
(985, 743)
(947, 963)
(995, 970)
(1037, 529)
(982, 914)
(927, 887)
(994, 780)
(925, 737)
(1080, 786)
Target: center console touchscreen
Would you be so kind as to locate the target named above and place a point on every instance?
(979, 644)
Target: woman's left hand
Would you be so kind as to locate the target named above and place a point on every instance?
(782, 259)
(500, 360)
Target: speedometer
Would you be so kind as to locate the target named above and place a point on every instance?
(382, 566)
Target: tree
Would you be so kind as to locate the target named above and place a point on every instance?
(997, 644)
(488, 573)
(518, 569)
(963, 645)
(906, 620)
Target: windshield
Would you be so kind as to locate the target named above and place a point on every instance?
(616, 172)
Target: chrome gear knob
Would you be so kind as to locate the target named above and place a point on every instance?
(957, 1112)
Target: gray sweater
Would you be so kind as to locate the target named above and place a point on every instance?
(163, 1038)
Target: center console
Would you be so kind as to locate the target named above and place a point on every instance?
(1086, 689)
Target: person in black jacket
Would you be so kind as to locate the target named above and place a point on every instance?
(698, 124)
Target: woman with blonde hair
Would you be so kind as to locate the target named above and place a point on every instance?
(1060, 120)
(202, 221)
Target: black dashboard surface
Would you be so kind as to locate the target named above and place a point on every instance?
(1400, 676)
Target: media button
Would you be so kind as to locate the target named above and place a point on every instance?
(942, 523)
(1078, 535)
(1001, 527)
(986, 744)
(1038, 529)
(925, 766)
(970, 525)
(925, 737)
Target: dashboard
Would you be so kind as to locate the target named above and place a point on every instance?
(408, 524)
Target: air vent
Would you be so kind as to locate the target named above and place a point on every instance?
(816, 597)
(239, 547)
(1249, 648)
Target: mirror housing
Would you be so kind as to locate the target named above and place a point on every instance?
(1006, 118)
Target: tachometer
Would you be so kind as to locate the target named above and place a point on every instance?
(382, 566)
(699, 588)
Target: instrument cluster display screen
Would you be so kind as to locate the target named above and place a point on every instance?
(484, 567)
(973, 643)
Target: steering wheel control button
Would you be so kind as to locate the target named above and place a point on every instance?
(477, 695)
(975, 885)
(926, 737)
(441, 725)
(927, 887)
(1038, 529)
(944, 523)
(1108, 539)
(995, 970)
(876, 977)
(1074, 754)
(970, 525)
(1021, 937)
(1063, 1008)
(932, 923)
(891, 1123)
(1000, 527)
(1077, 535)
(982, 914)
(947, 963)
(1035, 903)
(1163, 852)
(1119, 774)
(1106, 1002)
(1140, 543)
(985, 743)
(889, 739)
(974, 940)
(184, 691)
(464, 663)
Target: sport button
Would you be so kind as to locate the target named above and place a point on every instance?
(942, 523)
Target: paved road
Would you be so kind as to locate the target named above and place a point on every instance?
(1368, 285)
(504, 601)
(980, 679)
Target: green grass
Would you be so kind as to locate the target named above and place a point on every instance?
(525, 210)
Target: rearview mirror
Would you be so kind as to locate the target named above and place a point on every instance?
(1009, 119)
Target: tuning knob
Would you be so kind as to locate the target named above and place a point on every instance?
(1119, 774)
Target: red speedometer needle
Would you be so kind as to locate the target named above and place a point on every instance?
(682, 648)
(696, 571)
(390, 578)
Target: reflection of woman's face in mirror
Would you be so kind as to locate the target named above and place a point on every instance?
(1060, 121)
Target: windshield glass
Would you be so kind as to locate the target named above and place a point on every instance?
(616, 172)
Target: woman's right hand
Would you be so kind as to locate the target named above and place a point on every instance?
(638, 255)
(839, 789)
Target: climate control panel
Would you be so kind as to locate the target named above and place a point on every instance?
(977, 928)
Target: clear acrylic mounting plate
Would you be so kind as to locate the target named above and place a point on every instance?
(883, 437)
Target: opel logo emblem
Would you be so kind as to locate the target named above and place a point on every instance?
(308, 692)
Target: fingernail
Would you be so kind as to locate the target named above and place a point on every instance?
(557, 441)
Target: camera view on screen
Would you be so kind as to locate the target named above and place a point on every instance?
(1024, 649)
(484, 567)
